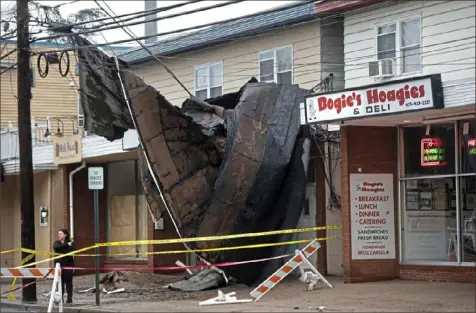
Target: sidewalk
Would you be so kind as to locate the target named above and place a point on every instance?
(390, 296)
(291, 295)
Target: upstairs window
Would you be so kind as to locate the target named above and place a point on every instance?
(276, 65)
(400, 41)
(410, 46)
(209, 80)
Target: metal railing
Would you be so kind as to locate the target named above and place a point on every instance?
(9, 143)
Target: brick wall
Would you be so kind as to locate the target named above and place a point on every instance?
(320, 173)
(458, 274)
(373, 150)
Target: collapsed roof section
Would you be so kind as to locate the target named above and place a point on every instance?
(228, 165)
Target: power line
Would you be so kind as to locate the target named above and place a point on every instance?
(312, 63)
(299, 72)
(173, 31)
(105, 26)
(132, 35)
(141, 22)
(311, 47)
(346, 63)
(11, 52)
(66, 3)
(138, 13)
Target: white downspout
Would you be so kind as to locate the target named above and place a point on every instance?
(71, 194)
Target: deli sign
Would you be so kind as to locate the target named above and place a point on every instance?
(67, 150)
(391, 98)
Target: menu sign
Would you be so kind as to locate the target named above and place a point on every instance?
(372, 216)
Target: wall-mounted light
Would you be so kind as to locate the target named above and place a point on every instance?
(44, 215)
(47, 132)
(59, 133)
(75, 130)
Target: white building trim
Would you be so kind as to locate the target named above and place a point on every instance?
(93, 146)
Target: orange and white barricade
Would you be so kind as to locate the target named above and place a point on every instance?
(26, 272)
(45, 273)
(309, 274)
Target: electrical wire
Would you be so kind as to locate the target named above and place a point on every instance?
(139, 22)
(165, 33)
(296, 65)
(155, 11)
(66, 3)
(132, 35)
(300, 69)
(139, 14)
(296, 72)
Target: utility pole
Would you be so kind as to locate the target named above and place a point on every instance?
(24, 81)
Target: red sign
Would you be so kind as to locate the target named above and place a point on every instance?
(389, 98)
(472, 146)
(432, 152)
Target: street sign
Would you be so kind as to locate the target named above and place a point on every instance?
(96, 183)
(95, 178)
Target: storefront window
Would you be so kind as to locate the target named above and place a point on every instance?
(467, 131)
(422, 156)
(468, 218)
(468, 146)
(430, 224)
(438, 183)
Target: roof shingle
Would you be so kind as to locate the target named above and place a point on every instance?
(221, 33)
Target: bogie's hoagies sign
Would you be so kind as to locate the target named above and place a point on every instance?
(391, 98)
(372, 216)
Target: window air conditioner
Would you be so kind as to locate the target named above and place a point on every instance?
(381, 68)
(80, 121)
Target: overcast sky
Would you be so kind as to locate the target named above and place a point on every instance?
(124, 7)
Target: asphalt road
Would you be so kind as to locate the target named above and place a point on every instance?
(9, 310)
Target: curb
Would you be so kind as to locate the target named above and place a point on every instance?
(43, 308)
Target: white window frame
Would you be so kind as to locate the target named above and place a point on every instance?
(81, 118)
(208, 66)
(398, 44)
(275, 69)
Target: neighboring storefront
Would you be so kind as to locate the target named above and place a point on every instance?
(49, 201)
(408, 166)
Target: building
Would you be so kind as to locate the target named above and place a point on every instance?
(293, 44)
(287, 45)
(55, 116)
(407, 119)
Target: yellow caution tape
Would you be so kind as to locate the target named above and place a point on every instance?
(185, 240)
(190, 251)
(10, 251)
(12, 286)
(262, 245)
(212, 238)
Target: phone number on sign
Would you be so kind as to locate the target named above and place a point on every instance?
(417, 103)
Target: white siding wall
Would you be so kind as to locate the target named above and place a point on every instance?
(240, 61)
(447, 40)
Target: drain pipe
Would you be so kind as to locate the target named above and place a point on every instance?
(71, 216)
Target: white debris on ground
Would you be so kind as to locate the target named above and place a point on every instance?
(137, 286)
